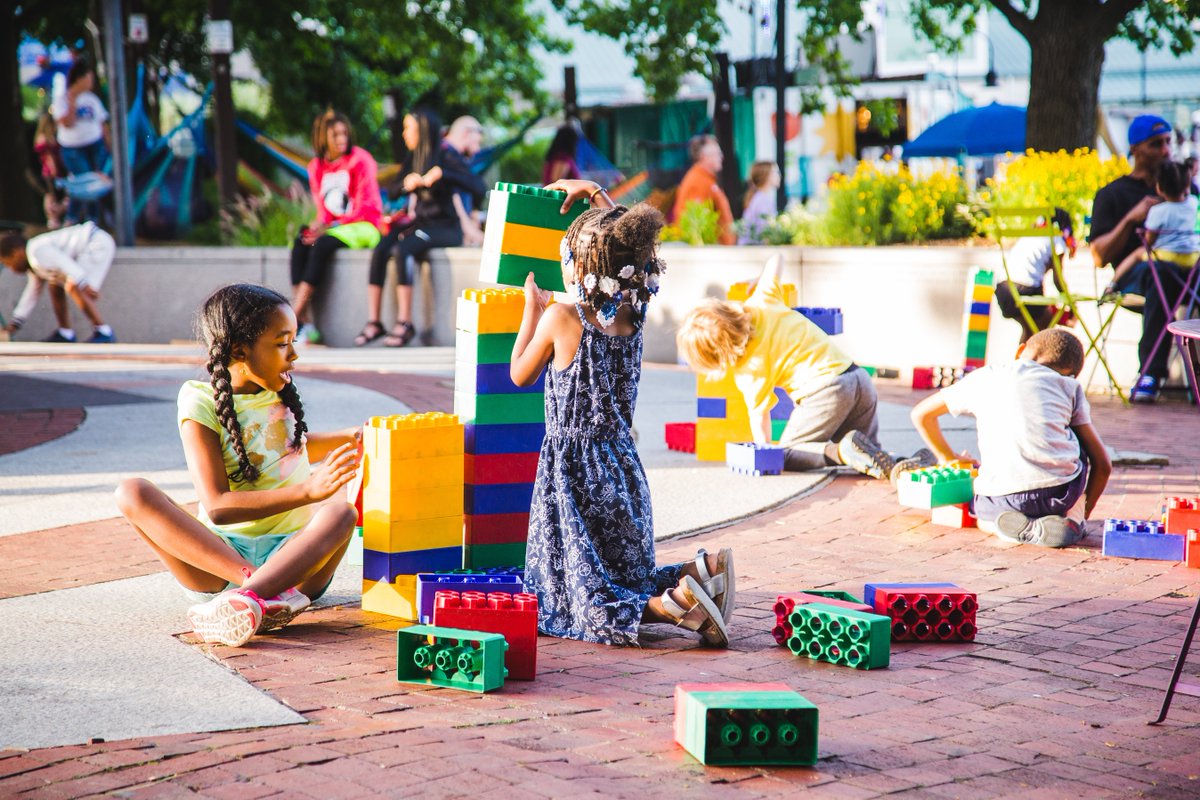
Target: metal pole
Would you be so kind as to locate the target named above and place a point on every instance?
(218, 10)
(114, 50)
(570, 95)
(731, 174)
(781, 82)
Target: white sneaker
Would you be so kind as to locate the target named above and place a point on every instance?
(282, 609)
(230, 618)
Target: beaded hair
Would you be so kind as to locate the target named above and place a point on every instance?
(235, 316)
(612, 259)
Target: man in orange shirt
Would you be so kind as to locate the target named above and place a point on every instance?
(700, 183)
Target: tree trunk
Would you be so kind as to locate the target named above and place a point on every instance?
(1064, 80)
(18, 201)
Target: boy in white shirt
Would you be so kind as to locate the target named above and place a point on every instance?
(83, 132)
(73, 261)
(1038, 450)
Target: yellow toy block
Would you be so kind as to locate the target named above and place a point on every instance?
(406, 505)
(530, 241)
(413, 436)
(492, 310)
(982, 294)
(413, 473)
(713, 434)
(741, 293)
(978, 322)
(397, 599)
(385, 536)
(717, 387)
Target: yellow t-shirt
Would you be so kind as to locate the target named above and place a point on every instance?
(785, 350)
(267, 427)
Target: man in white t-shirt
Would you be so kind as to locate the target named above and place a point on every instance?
(1038, 450)
(83, 133)
(72, 261)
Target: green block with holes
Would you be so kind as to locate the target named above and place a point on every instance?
(727, 728)
(458, 659)
(841, 636)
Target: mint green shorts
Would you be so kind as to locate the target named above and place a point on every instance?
(256, 550)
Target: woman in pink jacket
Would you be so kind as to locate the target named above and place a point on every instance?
(349, 211)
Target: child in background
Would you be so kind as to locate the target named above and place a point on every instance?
(1038, 450)
(1170, 225)
(45, 144)
(265, 529)
(760, 205)
(765, 344)
(590, 556)
(1028, 261)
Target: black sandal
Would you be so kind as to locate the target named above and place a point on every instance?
(402, 333)
(371, 331)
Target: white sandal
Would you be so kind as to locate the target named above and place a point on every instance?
(720, 587)
(703, 617)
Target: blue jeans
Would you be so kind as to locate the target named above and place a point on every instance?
(1052, 501)
(78, 160)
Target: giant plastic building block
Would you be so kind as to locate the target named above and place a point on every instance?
(749, 458)
(490, 311)
(935, 486)
(842, 636)
(524, 231)
(497, 498)
(1191, 549)
(514, 616)
(742, 291)
(501, 467)
(396, 599)
(827, 319)
(525, 437)
(496, 528)
(870, 589)
(713, 407)
(484, 348)
(784, 406)
(415, 534)
(429, 584)
(977, 315)
(485, 556)
(785, 604)
(354, 552)
(450, 657)
(938, 377)
(1132, 538)
(944, 614)
(409, 436)
(387, 567)
(725, 724)
(1183, 513)
(500, 409)
(954, 516)
(681, 436)
(473, 378)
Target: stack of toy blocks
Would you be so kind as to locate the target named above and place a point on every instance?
(724, 724)
(429, 584)
(827, 319)
(938, 377)
(514, 616)
(925, 612)
(935, 486)
(459, 659)
(524, 231)
(681, 436)
(839, 635)
(1133, 538)
(785, 604)
(505, 425)
(977, 315)
(748, 458)
(412, 506)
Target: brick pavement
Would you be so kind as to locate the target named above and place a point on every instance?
(1051, 701)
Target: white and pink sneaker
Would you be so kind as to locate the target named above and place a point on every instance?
(283, 608)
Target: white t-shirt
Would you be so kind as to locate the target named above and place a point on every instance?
(1177, 223)
(90, 117)
(1030, 258)
(1024, 412)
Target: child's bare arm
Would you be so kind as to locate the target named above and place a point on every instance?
(202, 448)
(535, 341)
(1126, 265)
(322, 444)
(925, 417)
(1099, 466)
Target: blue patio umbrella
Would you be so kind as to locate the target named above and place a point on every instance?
(991, 130)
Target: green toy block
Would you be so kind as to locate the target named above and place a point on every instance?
(777, 427)
(450, 657)
(935, 487)
(485, 556)
(512, 270)
(982, 277)
(976, 344)
(841, 636)
(532, 205)
(484, 348)
(500, 409)
(354, 553)
(834, 594)
(725, 728)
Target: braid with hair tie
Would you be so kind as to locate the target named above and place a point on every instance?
(218, 369)
(290, 397)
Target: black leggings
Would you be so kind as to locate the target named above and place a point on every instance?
(416, 242)
(310, 262)
(1155, 317)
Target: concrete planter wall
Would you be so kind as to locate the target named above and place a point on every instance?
(902, 306)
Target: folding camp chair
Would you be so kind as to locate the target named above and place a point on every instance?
(1189, 297)
(1010, 224)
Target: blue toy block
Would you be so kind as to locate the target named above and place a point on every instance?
(711, 407)
(985, 309)
(429, 584)
(783, 407)
(379, 566)
(491, 379)
(749, 458)
(827, 319)
(869, 589)
(525, 437)
(1132, 538)
(497, 498)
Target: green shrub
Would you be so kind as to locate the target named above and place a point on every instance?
(265, 221)
(698, 224)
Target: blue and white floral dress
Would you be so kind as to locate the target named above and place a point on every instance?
(590, 557)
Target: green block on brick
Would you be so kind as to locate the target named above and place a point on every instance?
(451, 657)
(841, 636)
(510, 270)
(529, 205)
(982, 277)
(976, 343)
(486, 556)
(484, 348)
(725, 728)
(834, 594)
(935, 487)
(777, 426)
(500, 409)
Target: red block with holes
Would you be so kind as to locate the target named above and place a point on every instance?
(514, 616)
(681, 436)
(1183, 514)
(785, 603)
(933, 614)
(495, 528)
(479, 468)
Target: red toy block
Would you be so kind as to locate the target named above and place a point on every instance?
(681, 436)
(786, 603)
(929, 614)
(495, 528)
(1191, 549)
(481, 468)
(955, 516)
(1183, 514)
(512, 615)
(973, 363)
(922, 378)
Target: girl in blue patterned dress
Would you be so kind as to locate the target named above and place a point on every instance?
(590, 556)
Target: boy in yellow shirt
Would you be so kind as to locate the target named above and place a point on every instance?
(765, 344)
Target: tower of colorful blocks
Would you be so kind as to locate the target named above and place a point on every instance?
(525, 228)
(412, 506)
(840, 635)
(451, 657)
(514, 616)
(926, 612)
(505, 425)
(977, 315)
(935, 486)
(745, 723)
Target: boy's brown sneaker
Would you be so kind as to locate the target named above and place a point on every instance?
(862, 454)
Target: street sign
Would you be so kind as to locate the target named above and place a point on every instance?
(219, 33)
(139, 29)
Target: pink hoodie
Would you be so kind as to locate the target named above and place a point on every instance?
(346, 190)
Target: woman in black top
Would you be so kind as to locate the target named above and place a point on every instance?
(432, 175)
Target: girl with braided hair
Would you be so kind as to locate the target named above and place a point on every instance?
(590, 556)
(265, 528)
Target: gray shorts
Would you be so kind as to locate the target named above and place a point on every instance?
(847, 403)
